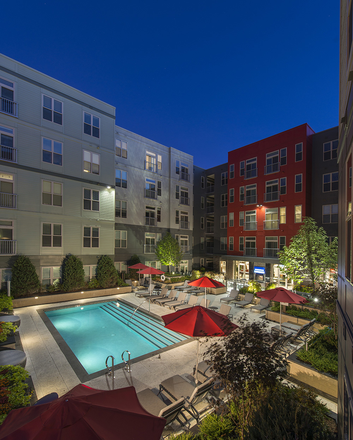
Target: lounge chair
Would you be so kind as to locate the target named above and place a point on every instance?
(231, 297)
(204, 371)
(191, 303)
(171, 297)
(264, 303)
(162, 295)
(144, 293)
(283, 346)
(224, 310)
(246, 301)
(181, 300)
(185, 286)
(205, 303)
(154, 405)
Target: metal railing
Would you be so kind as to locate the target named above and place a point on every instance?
(271, 196)
(250, 226)
(250, 200)
(273, 168)
(250, 252)
(185, 176)
(271, 224)
(149, 248)
(8, 153)
(185, 249)
(184, 225)
(8, 247)
(184, 201)
(209, 209)
(150, 221)
(270, 252)
(8, 107)
(249, 174)
(150, 193)
(8, 200)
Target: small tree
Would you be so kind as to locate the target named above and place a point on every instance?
(73, 275)
(107, 275)
(309, 255)
(168, 251)
(135, 259)
(24, 279)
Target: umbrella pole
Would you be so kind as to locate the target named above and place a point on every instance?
(205, 298)
(280, 318)
(197, 361)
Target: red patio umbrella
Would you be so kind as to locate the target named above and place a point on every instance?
(205, 282)
(138, 266)
(198, 321)
(150, 271)
(282, 295)
(85, 413)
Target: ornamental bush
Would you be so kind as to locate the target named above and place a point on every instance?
(5, 303)
(73, 275)
(24, 280)
(107, 275)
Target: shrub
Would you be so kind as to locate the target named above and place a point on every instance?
(24, 280)
(243, 290)
(254, 287)
(303, 288)
(107, 275)
(6, 329)
(270, 286)
(5, 302)
(215, 427)
(93, 284)
(72, 273)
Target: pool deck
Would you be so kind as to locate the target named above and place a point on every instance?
(51, 371)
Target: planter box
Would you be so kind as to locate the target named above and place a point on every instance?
(216, 290)
(70, 296)
(275, 316)
(322, 383)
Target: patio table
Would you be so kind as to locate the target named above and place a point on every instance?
(177, 387)
(13, 357)
(150, 402)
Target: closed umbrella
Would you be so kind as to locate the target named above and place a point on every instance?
(205, 282)
(85, 413)
(197, 322)
(282, 295)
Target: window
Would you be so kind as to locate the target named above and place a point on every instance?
(330, 214)
(7, 243)
(177, 192)
(52, 151)
(7, 151)
(250, 221)
(251, 168)
(282, 243)
(271, 247)
(90, 237)
(299, 152)
(120, 209)
(231, 243)
(242, 168)
(223, 222)
(298, 183)
(51, 235)
(272, 162)
(284, 156)
(330, 182)
(52, 110)
(282, 215)
(241, 218)
(202, 243)
(121, 179)
(202, 182)
(150, 216)
(91, 199)
(177, 168)
(241, 194)
(150, 189)
(184, 220)
(151, 240)
(224, 200)
(121, 239)
(7, 198)
(283, 185)
(90, 272)
(5, 275)
(223, 244)
(231, 219)
(271, 218)
(151, 162)
(184, 174)
(90, 162)
(159, 161)
(52, 193)
(159, 215)
(120, 266)
(91, 125)
(120, 148)
(250, 246)
(224, 178)
(177, 217)
(250, 194)
(272, 193)
(231, 195)
(159, 188)
(330, 150)
(184, 199)
(202, 202)
(231, 171)
(7, 90)
(241, 243)
(51, 275)
(297, 213)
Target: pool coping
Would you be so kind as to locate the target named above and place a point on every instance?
(76, 365)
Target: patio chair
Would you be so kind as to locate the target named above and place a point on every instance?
(204, 371)
(231, 297)
(171, 297)
(162, 295)
(205, 303)
(248, 299)
(145, 293)
(191, 303)
(185, 286)
(283, 346)
(224, 310)
(264, 303)
(181, 300)
(154, 405)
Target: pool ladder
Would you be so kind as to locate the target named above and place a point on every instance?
(127, 363)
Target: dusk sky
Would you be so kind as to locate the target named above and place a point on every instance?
(204, 77)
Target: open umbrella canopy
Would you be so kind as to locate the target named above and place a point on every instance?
(85, 413)
(280, 294)
(205, 282)
(138, 266)
(150, 271)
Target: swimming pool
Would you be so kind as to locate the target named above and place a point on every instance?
(95, 331)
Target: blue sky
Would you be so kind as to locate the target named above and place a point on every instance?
(204, 77)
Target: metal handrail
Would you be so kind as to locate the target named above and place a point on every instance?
(132, 314)
(127, 363)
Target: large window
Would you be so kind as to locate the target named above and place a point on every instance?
(231, 219)
(299, 152)
(284, 156)
(224, 200)
(271, 247)
(90, 199)
(121, 239)
(184, 196)
(51, 275)
(7, 243)
(282, 215)
(272, 162)
(121, 208)
(231, 243)
(121, 179)
(223, 222)
(272, 193)
(250, 194)
(330, 182)
(298, 183)
(251, 168)
(150, 189)
(7, 150)
(231, 171)
(330, 214)
(223, 244)
(151, 162)
(90, 272)
(283, 185)
(52, 151)
(250, 246)
(7, 198)
(51, 235)
(90, 162)
(120, 148)
(150, 216)
(224, 178)
(90, 237)
(184, 220)
(7, 91)
(52, 110)
(271, 219)
(91, 124)
(231, 195)
(151, 240)
(297, 213)
(330, 150)
(52, 193)
(250, 221)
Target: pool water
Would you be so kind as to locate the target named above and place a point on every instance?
(94, 332)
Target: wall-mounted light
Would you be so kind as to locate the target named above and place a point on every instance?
(259, 206)
(108, 187)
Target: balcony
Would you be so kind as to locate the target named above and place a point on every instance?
(150, 193)
(250, 252)
(273, 168)
(8, 200)
(8, 153)
(271, 224)
(210, 209)
(184, 225)
(250, 174)
(271, 196)
(210, 230)
(185, 249)
(8, 247)
(210, 189)
(270, 252)
(149, 166)
(149, 248)
(250, 200)
(184, 201)
(150, 221)
(250, 226)
(8, 107)
(185, 176)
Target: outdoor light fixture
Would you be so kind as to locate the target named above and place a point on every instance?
(82, 292)
(36, 297)
(108, 187)
(259, 206)
(117, 304)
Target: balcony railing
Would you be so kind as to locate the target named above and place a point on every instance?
(271, 196)
(185, 249)
(270, 252)
(184, 201)
(250, 226)
(210, 189)
(249, 174)
(8, 247)
(150, 221)
(149, 248)
(150, 193)
(250, 252)
(184, 225)
(223, 225)
(273, 168)
(210, 209)
(149, 166)
(185, 176)
(8, 107)
(8, 153)
(271, 224)
(210, 229)
(8, 200)
(250, 200)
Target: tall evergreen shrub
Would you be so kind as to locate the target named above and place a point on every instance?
(73, 275)
(107, 275)
(24, 280)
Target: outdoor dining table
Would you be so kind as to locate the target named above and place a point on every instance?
(177, 387)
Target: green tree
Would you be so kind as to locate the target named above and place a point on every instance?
(168, 251)
(73, 275)
(107, 275)
(24, 279)
(309, 255)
